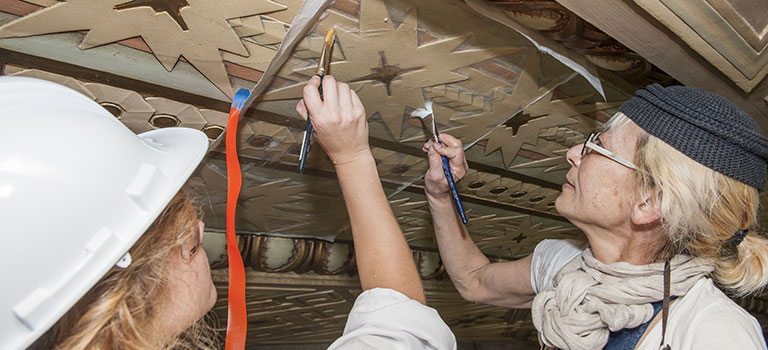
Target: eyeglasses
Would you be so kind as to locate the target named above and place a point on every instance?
(593, 142)
(186, 252)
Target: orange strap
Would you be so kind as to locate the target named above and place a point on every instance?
(237, 316)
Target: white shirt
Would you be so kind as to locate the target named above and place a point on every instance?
(385, 319)
(703, 319)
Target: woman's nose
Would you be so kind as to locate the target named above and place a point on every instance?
(574, 155)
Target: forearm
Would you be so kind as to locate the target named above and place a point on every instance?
(384, 259)
(504, 284)
(462, 258)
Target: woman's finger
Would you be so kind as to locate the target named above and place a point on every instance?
(450, 152)
(301, 108)
(450, 141)
(330, 94)
(454, 154)
(359, 109)
(345, 101)
(312, 100)
(435, 164)
(453, 149)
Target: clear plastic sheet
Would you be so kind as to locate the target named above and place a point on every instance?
(480, 83)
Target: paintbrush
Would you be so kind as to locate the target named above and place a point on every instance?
(434, 135)
(322, 69)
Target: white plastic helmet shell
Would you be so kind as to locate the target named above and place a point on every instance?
(77, 189)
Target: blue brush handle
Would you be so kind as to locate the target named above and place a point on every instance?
(452, 185)
(307, 139)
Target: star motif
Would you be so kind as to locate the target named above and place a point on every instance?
(171, 7)
(517, 235)
(528, 122)
(518, 121)
(200, 35)
(392, 83)
(385, 73)
(548, 113)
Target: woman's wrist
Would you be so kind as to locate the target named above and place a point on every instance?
(352, 159)
(438, 199)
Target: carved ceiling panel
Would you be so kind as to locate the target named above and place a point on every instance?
(731, 34)
(194, 29)
(156, 64)
(501, 97)
(313, 309)
(137, 112)
(302, 292)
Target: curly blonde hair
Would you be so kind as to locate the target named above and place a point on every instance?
(701, 210)
(119, 311)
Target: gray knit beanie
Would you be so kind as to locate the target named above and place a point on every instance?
(705, 127)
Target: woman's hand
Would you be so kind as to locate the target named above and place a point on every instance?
(382, 256)
(339, 119)
(435, 181)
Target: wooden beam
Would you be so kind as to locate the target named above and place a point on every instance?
(57, 67)
(628, 23)
(412, 188)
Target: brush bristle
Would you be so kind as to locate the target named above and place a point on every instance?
(420, 113)
(330, 36)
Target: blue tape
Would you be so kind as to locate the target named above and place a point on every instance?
(240, 97)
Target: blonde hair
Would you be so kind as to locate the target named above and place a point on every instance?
(701, 209)
(118, 312)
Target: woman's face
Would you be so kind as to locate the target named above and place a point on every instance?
(598, 192)
(192, 293)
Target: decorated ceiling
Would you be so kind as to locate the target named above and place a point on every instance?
(518, 87)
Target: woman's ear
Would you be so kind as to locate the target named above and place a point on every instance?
(648, 209)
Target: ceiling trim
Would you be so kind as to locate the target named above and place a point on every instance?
(714, 37)
(642, 33)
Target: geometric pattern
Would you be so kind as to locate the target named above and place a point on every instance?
(194, 29)
(516, 110)
(731, 35)
(310, 308)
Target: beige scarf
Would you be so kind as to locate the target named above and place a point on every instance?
(591, 299)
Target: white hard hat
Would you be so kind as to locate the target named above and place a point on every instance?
(77, 189)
